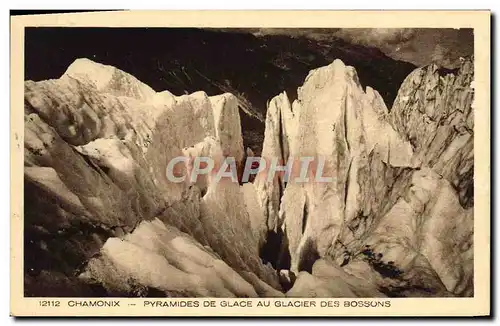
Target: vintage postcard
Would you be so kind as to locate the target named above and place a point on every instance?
(258, 163)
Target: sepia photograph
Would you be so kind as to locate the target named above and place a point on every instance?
(249, 162)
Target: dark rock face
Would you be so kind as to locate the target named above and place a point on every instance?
(183, 61)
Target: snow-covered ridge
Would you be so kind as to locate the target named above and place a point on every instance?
(97, 143)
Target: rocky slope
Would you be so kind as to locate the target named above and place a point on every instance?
(101, 218)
